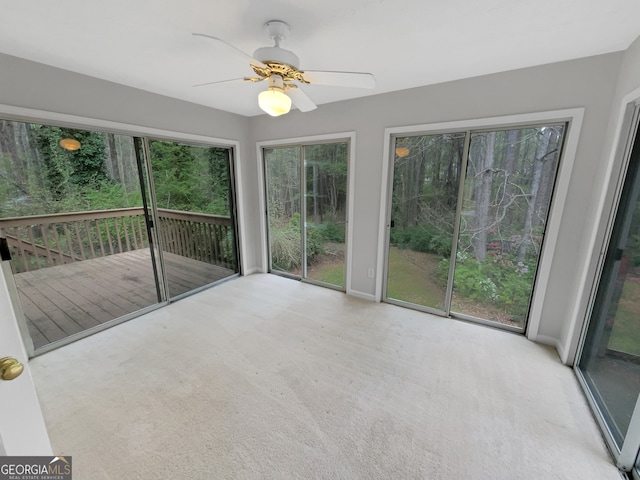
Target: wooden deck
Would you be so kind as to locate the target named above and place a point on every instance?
(66, 299)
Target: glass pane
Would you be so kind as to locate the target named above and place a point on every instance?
(425, 190)
(507, 192)
(193, 193)
(282, 173)
(72, 211)
(610, 360)
(326, 208)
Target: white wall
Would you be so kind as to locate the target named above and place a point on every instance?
(600, 204)
(588, 83)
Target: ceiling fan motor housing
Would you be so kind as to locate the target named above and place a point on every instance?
(277, 55)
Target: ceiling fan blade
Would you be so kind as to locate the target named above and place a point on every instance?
(340, 79)
(301, 100)
(252, 60)
(218, 81)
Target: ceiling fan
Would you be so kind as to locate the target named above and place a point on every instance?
(280, 68)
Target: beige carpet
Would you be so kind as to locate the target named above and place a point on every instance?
(264, 377)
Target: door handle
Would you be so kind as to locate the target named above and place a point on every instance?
(10, 368)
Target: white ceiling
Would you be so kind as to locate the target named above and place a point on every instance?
(405, 43)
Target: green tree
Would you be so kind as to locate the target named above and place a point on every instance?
(66, 172)
(191, 178)
(220, 181)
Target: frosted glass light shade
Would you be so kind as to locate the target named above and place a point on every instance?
(274, 101)
(70, 144)
(402, 151)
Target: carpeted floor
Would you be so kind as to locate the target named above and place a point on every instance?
(264, 377)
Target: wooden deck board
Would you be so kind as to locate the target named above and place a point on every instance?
(59, 319)
(66, 299)
(119, 274)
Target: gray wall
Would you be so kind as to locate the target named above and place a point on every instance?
(588, 83)
(601, 201)
(33, 85)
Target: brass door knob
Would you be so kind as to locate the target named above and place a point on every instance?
(10, 368)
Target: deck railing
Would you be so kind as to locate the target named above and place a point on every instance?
(42, 241)
(203, 237)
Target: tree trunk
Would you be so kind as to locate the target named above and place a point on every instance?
(17, 174)
(417, 187)
(484, 179)
(511, 153)
(546, 182)
(538, 164)
(34, 162)
(113, 158)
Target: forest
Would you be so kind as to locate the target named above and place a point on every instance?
(38, 176)
(505, 200)
(47, 170)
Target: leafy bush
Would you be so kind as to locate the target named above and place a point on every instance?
(286, 248)
(108, 195)
(500, 281)
(441, 243)
(332, 232)
(315, 241)
(423, 238)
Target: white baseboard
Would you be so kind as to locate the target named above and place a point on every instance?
(251, 271)
(554, 342)
(364, 296)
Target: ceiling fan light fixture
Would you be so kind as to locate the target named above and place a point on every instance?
(70, 144)
(273, 100)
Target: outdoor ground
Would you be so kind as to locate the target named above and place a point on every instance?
(625, 336)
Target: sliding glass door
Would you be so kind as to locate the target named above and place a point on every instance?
(325, 199)
(423, 212)
(283, 188)
(194, 195)
(78, 211)
(609, 363)
(306, 194)
(74, 211)
(467, 218)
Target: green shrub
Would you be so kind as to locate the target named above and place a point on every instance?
(441, 244)
(499, 280)
(400, 238)
(315, 240)
(286, 245)
(423, 238)
(285, 248)
(333, 232)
